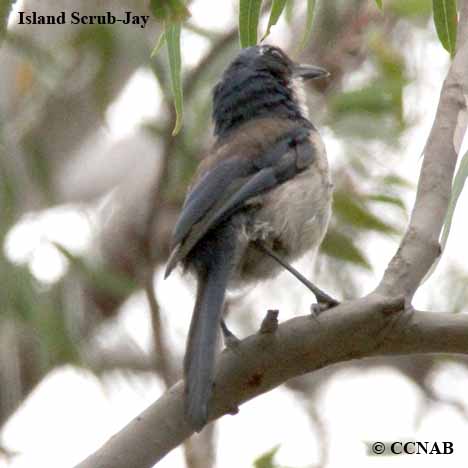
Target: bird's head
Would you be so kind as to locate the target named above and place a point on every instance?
(262, 81)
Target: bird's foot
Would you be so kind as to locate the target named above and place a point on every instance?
(321, 296)
(323, 305)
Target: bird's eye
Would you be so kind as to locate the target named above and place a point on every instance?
(276, 53)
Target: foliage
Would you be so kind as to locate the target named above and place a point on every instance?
(249, 14)
(5, 9)
(173, 12)
(309, 22)
(445, 19)
(266, 460)
(458, 184)
(457, 188)
(172, 35)
(342, 247)
(169, 10)
(277, 8)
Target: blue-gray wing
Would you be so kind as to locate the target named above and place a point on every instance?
(207, 191)
(227, 187)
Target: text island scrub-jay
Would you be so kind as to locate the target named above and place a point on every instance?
(260, 199)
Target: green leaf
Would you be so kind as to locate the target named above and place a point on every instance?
(412, 9)
(160, 9)
(20, 297)
(381, 198)
(445, 19)
(267, 459)
(159, 44)
(10, 198)
(289, 11)
(396, 180)
(277, 8)
(351, 211)
(172, 34)
(308, 25)
(375, 98)
(379, 4)
(339, 246)
(389, 59)
(5, 10)
(249, 15)
(169, 10)
(457, 187)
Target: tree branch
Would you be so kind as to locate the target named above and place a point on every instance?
(367, 327)
(161, 350)
(420, 245)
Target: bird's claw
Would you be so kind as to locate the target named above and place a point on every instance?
(320, 307)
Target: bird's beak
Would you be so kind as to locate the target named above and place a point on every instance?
(309, 72)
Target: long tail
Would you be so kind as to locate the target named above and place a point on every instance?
(202, 341)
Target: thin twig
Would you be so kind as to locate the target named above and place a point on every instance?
(161, 349)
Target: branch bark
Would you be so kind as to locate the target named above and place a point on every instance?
(368, 327)
(376, 325)
(420, 245)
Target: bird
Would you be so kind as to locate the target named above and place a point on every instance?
(260, 199)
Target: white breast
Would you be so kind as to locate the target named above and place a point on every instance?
(299, 210)
(297, 213)
(292, 219)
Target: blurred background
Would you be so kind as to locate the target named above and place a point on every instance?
(92, 181)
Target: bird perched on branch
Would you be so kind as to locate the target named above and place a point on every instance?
(259, 200)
